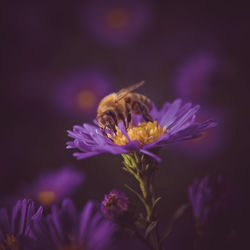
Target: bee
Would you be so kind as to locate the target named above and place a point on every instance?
(119, 106)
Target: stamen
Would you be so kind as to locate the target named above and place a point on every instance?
(144, 132)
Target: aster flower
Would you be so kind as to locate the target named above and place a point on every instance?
(15, 224)
(117, 23)
(54, 186)
(66, 229)
(173, 123)
(193, 78)
(80, 93)
(212, 203)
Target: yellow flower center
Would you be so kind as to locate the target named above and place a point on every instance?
(11, 242)
(117, 18)
(71, 247)
(86, 99)
(144, 132)
(46, 197)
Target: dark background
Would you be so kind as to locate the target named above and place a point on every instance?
(44, 41)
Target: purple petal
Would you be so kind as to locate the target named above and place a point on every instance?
(157, 158)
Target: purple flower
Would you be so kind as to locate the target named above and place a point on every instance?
(115, 204)
(193, 79)
(15, 225)
(80, 94)
(212, 203)
(65, 228)
(54, 186)
(173, 123)
(117, 23)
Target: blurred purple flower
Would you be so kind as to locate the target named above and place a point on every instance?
(53, 187)
(79, 95)
(173, 123)
(212, 203)
(115, 204)
(15, 225)
(65, 228)
(194, 77)
(117, 23)
(211, 140)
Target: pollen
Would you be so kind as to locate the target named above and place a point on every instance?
(144, 132)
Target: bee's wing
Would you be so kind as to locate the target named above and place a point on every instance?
(123, 92)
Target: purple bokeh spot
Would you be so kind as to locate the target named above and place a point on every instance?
(116, 23)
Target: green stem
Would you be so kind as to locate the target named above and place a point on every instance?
(155, 239)
(147, 191)
(139, 167)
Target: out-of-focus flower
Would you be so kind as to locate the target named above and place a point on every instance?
(193, 80)
(212, 203)
(211, 140)
(15, 225)
(53, 187)
(65, 228)
(115, 204)
(173, 123)
(79, 95)
(117, 23)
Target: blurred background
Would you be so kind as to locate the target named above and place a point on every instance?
(61, 57)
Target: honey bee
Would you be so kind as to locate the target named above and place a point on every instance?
(119, 106)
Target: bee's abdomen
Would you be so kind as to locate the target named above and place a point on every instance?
(144, 100)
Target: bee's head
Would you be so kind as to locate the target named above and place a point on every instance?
(107, 121)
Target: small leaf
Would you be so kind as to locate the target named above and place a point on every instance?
(156, 201)
(137, 194)
(125, 169)
(136, 157)
(129, 170)
(178, 213)
(154, 210)
(150, 227)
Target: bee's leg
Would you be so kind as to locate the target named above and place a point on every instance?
(112, 122)
(121, 116)
(113, 127)
(112, 114)
(103, 131)
(128, 115)
(104, 134)
(146, 116)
